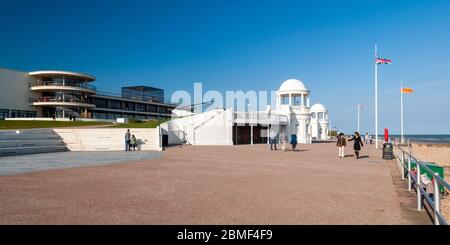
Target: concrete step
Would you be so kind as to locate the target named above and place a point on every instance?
(28, 136)
(31, 150)
(29, 143)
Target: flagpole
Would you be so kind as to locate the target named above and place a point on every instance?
(376, 100)
(401, 111)
(359, 108)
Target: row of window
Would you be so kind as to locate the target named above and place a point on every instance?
(114, 116)
(127, 106)
(296, 100)
(4, 113)
(319, 115)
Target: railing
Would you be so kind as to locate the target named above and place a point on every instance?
(58, 99)
(415, 178)
(145, 99)
(260, 117)
(77, 85)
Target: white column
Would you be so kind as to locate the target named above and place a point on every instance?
(307, 102)
(290, 99)
(251, 133)
(303, 100)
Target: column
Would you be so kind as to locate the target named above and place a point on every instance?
(251, 133)
(307, 102)
(290, 99)
(303, 100)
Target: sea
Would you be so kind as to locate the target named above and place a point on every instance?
(425, 138)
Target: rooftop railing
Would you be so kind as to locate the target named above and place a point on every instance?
(415, 179)
(145, 98)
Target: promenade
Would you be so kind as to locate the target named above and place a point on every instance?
(246, 184)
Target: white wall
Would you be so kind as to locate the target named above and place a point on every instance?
(14, 90)
(209, 128)
(108, 139)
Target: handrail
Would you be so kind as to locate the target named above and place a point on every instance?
(415, 179)
(58, 99)
(75, 85)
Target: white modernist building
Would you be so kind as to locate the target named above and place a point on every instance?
(292, 115)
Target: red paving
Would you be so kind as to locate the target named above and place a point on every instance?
(211, 185)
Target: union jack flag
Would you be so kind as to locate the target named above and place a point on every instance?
(383, 61)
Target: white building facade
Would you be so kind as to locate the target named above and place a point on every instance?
(292, 115)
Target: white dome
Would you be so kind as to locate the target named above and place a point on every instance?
(318, 107)
(292, 85)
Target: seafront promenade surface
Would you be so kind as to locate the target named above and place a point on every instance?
(212, 185)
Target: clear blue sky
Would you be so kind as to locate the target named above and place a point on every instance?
(246, 44)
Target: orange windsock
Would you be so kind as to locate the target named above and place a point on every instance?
(407, 90)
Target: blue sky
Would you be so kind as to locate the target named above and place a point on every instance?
(249, 45)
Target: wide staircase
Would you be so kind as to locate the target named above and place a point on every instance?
(30, 141)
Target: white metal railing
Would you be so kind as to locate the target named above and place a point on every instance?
(404, 158)
(260, 117)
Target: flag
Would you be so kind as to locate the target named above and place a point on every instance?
(407, 90)
(383, 61)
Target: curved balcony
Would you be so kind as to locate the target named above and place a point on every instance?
(53, 86)
(59, 101)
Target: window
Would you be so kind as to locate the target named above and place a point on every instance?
(285, 100)
(140, 107)
(114, 104)
(320, 115)
(22, 114)
(162, 109)
(101, 103)
(152, 108)
(297, 100)
(4, 113)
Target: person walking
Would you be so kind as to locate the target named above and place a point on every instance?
(273, 139)
(357, 143)
(366, 138)
(341, 144)
(127, 140)
(293, 141)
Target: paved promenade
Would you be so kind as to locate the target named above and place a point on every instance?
(211, 185)
(58, 160)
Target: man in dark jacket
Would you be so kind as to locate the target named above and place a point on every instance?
(127, 140)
